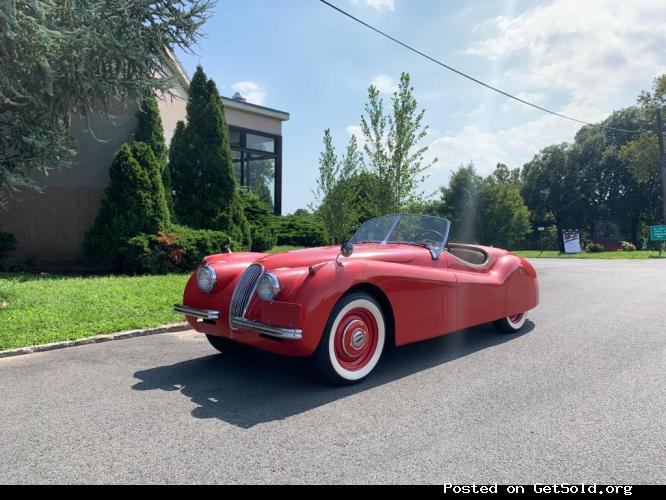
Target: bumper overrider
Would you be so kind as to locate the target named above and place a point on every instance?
(237, 323)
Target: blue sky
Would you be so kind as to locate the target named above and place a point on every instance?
(579, 58)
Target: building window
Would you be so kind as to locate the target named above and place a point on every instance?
(258, 164)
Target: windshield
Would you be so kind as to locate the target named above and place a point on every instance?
(424, 230)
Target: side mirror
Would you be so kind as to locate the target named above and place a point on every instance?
(345, 250)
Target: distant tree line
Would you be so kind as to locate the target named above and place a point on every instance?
(611, 172)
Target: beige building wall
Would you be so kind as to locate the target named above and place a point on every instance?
(50, 225)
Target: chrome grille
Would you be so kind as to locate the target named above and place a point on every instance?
(244, 290)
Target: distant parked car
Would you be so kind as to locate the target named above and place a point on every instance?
(397, 281)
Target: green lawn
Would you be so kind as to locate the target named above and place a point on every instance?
(553, 254)
(44, 308)
(50, 308)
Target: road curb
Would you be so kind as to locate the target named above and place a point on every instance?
(128, 334)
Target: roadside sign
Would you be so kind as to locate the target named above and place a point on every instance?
(658, 233)
(571, 241)
(541, 228)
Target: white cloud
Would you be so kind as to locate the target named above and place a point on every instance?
(385, 84)
(253, 92)
(378, 4)
(582, 59)
(480, 110)
(592, 51)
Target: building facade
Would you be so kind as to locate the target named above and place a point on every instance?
(50, 225)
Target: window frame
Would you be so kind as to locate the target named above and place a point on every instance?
(277, 156)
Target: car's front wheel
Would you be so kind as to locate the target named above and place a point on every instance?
(353, 340)
(510, 324)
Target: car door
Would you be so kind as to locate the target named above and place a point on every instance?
(480, 295)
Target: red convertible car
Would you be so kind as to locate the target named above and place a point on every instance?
(395, 282)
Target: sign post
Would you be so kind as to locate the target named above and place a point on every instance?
(541, 229)
(658, 233)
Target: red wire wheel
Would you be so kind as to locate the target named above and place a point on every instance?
(516, 318)
(511, 324)
(355, 339)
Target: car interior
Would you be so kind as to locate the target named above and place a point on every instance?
(469, 254)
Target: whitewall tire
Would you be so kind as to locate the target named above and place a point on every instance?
(353, 340)
(511, 324)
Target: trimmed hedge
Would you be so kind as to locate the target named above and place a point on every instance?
(260, 218)
(178, 249)
(300, 231)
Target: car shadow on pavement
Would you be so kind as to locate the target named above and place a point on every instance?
(256, 387)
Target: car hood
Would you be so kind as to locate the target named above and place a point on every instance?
(312, 256)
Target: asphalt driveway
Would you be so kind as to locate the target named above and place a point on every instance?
(581, 396)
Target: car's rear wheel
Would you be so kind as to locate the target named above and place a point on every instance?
(353, 340)
(510, 324)
(226, 346)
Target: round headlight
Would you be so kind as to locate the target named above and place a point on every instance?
(269, 287)
(206, 278)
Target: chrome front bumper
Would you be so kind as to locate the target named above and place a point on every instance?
(270, 330)
(197, 313)
(244, 324)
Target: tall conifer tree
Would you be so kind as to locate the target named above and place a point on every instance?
(149, 130)
(207, 195)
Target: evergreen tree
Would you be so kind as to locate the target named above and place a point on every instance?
(179, 168)
(134, 202)
(58, 58)
(206, 191)
(149, 130)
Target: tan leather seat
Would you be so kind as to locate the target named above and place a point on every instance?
(470, 255)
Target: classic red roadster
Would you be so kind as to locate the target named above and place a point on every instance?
(395, 282)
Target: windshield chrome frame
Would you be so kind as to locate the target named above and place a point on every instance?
(434, 252)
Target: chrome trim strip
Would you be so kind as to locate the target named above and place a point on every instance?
(273, 331)
(244, 291)
(197, 313)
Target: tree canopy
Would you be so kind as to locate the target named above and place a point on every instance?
(63, 58)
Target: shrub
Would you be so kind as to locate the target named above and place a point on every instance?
(300, 231)
(595, 248)
(627, 246)
(202, 169)
(178, 249)
(7, 244)
(260, 218)
(134, 202)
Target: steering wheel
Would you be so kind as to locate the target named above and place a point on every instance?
(424, 237)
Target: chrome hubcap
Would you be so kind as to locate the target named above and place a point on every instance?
(358, 337)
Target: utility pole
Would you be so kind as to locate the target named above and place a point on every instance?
(662, 161)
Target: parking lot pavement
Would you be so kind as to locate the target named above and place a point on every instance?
(579, 396)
